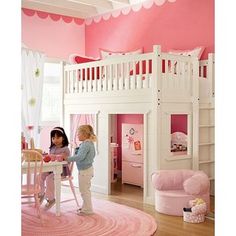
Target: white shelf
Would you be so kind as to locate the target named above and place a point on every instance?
(206, 144)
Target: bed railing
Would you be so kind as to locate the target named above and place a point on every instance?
(207, 79)
(137, 72)
(120, 73)
(177, 73)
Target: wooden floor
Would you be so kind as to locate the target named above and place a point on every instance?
(167, 225)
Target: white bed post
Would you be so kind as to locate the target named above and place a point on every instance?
(145, 155)
(211, 76)
(195, 110)
(62, 89)
(156, 90)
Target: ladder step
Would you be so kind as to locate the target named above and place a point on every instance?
(205, 144)
(206, 108)
(206, 162)
(206, 126)
(211, 178)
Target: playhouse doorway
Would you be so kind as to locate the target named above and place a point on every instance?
(126, 145)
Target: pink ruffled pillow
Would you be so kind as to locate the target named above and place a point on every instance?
(106, 54)
(78, 59)
(197, 184)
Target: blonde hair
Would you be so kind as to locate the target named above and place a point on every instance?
(87, 130)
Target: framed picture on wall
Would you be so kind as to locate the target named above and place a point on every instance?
(137, 145)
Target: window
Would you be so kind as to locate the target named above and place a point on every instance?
(179, 134)
(51, 93)
(51, 102)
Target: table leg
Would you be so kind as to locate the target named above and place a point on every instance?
(57, 182)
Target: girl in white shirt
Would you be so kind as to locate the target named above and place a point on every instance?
(84, 156)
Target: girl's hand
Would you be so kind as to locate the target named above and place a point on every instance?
(73, 145)
(65, 157)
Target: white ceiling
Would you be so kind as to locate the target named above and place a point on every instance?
(78, 8)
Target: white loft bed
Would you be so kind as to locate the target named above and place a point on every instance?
(177, 73)
(154, 84)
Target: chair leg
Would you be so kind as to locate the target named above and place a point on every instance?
(73, 191)
(37, 205)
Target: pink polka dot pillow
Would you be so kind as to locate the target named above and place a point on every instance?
(197, 52)
(108, 54)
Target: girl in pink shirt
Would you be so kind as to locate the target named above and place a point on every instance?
(59, 145)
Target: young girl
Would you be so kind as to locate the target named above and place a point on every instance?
(84, 156)
(59, 146)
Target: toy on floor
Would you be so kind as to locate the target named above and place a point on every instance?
(196, 212)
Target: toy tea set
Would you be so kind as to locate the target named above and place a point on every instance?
(46, 157)
(52, 157)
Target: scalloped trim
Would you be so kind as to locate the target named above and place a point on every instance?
(54, 17)
(96, 19)
(126, 11)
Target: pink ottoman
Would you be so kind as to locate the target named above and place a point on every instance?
(175, 188)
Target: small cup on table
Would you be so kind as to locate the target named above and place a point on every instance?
(53, 157)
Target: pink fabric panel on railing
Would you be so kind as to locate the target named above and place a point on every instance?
(76, 121)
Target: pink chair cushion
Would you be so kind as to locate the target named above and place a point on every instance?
(170, 179)
(196, 184)
(173, 202)
(175, 188)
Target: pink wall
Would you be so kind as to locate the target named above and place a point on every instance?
(183, 24)
(57, 38)
(129, 119)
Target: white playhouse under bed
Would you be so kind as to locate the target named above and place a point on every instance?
(154, 84)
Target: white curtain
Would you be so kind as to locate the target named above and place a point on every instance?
(32, 64)
(76, 121)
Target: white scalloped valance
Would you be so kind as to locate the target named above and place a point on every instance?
(52, 16)
(125, 11)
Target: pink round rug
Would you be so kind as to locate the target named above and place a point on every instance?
(109, 219)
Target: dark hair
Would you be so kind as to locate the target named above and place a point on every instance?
(59, 132)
